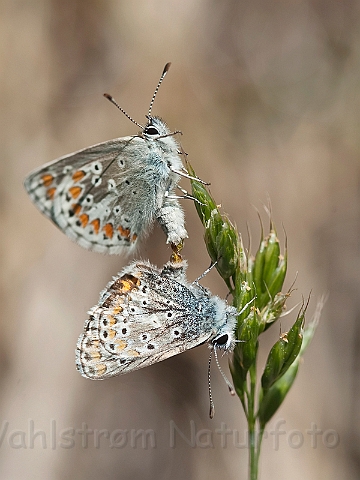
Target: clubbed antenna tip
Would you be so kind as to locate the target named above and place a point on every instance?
(166, 69)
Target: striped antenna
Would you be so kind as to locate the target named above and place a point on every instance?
(110, 98)
(166, 69)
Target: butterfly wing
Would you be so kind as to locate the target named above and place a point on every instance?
(143, 317)
(98, 196)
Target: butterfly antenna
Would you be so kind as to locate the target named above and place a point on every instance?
(212, 406)
(166, 69)
(110, 98)
(227, 381)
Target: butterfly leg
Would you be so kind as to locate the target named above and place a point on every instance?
(187, 196)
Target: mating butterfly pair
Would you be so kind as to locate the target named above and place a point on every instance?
(106, 197)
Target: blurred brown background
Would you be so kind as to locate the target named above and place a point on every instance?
(267, 95)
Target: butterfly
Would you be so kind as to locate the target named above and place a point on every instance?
(145, 315)
(107, 196)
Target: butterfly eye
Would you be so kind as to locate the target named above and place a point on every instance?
(221, 341)
(151, 130)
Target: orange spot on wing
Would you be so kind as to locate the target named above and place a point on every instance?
(84, 219)
(123, 285)
(131, 278)
(126, 286)
(127, 283)
(75, 191)
(112, 320)
(110, 334)
(124, 232)
(96, 224)
(78, 175)
(120, 345)
(100, 369)
(95, 355)
(109, 230)
(50, 193)
(117, 310)
(134, 237)
(133, 353)
(47, 180)
(76, 208)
